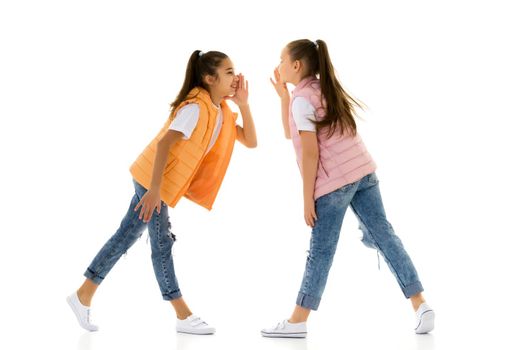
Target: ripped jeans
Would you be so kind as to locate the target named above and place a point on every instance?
(364, 198)
(131, 228)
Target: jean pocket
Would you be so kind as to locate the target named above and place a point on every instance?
(322, 169)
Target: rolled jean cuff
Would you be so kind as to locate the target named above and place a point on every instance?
(173, 295)
(413, 289)
(95, 278)
(308, 301)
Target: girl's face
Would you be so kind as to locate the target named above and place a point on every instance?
(290, 71)
(225, 82)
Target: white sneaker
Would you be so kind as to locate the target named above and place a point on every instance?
(194, 325)
(285, 329)
(424, 319)
(81, 312)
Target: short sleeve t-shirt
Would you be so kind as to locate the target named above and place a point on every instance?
(186, 120)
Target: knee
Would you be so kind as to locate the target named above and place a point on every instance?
(316, 253)
(161, 242)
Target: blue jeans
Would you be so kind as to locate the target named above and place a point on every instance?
(364, 198)
(131, 228)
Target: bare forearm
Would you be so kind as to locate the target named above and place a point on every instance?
(310, 163)
(248, 126)
(285, 105)
(161, 157)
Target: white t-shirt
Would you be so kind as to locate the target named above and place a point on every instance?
(186, 120)
(303, 112)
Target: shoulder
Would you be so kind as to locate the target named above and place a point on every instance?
(301, 105)
(188, 110)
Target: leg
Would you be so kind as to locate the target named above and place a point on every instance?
(417, 300)
(330, 211)
(300, 314)
(127, 234)
(130, 229)
(87, 291)
(378, 233)
(162, 241)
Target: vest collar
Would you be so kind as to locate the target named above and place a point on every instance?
(303, 83)
(203, 94)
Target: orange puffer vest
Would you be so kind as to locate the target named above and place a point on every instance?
(189, 171)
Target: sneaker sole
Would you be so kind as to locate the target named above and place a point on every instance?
(427, 319)
(284, 335)
(196, 332)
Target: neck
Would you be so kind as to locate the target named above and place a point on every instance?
(298, 79)
(216, 99)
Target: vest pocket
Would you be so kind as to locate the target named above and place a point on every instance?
(322, 168)
(170, 165)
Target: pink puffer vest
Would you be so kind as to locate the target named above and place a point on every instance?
(342, 159)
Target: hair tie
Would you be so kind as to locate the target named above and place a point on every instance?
(316, 45)
(201, 53)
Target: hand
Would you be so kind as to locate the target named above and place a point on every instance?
(279, 85)
(240, 98)
(309, 212)
(149, 202)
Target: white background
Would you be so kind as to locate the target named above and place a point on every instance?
(84, 86)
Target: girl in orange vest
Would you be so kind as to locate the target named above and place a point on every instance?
(188, 157)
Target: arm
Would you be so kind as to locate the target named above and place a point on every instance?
(282, 91)
(309, 165)
(285, 107)
(151, 199)
(245, 133)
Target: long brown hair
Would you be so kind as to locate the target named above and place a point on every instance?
(340, 106)
(199, 65)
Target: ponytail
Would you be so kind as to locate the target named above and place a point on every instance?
(338, 104)
(199, 65)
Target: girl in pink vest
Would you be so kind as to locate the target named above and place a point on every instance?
(338, 172)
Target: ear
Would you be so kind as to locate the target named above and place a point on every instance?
(209, 80)
(297, 64)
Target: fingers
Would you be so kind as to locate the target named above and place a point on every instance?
(142, 212)
(142, 207)
(310, 221)
(276, 74)
(139, 204)
(147, 208)
(243, 82)
(310, 217)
